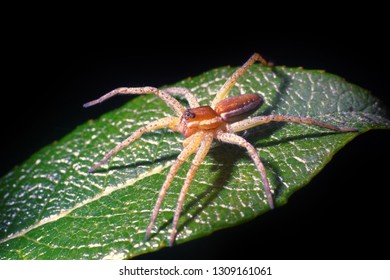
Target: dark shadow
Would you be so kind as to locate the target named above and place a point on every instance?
(136, 164)
(284, 83)
(211, 192)
(223, 177)
(265, 131)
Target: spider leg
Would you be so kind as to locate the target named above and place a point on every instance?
(248, 123)
(192, 100)
(183, 156)
(170, 122)
(230, 82)
(198, 159)
(237, 140)
(168, 99)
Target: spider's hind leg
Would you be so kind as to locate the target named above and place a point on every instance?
(170, 122)
(224, 90)
(237, 140)
(259, 120)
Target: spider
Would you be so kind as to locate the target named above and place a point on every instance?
(200, 125)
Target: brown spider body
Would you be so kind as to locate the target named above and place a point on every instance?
(200, 125)
(199, 118)
(229, 110)
(237, 108)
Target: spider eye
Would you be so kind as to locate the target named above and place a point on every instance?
(189, 114)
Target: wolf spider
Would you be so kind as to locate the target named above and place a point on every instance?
(200, 125)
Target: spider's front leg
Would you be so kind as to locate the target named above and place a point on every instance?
(193, 144)
(170, 122)
(168, 99)
(207, 139)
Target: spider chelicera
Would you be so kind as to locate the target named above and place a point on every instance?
(200, 125)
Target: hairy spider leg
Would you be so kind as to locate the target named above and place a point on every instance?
(237, 140)
(168, 99)
(249, 123)
(192, 100)
(231, 81)
(170, 122)
(188, 150)
(198, 159)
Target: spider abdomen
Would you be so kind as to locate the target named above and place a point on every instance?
(237, 108)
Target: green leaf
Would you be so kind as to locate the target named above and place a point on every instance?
(51, 208)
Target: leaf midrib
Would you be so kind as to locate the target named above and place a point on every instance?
(107, 191)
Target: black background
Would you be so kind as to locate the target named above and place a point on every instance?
(341, 214)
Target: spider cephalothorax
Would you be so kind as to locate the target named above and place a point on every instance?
(200, 125)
